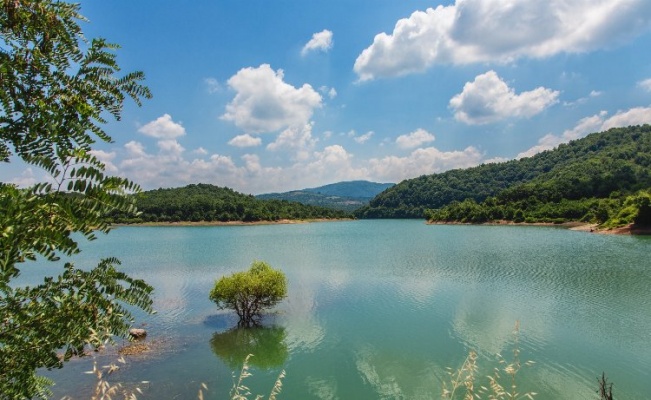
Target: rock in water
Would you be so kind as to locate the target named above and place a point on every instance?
(137, 333)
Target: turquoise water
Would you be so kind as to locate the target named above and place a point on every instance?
(379, 309)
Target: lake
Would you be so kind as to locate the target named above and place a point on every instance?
(378, 309)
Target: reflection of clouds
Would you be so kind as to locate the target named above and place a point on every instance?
(385, 385)
(170, 296)
(487, 326)
(418, 289)
(324, 389)
(338, 279)
(303, 330)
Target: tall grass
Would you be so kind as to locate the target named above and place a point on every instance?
(502, 384)
(241, 392)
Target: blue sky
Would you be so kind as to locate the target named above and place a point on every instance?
(265, 96)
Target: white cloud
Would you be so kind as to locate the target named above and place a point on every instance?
(170, 146)
(645, 84)
(200, 151)
(500, 31)
(245, 140)
(414, 139)
(265, 103)
(163, 128)
(107, 159)
(298, 140)
(633, 116)
(364, 138)
(321, 41)
(135, 149)
(489, 99)
(594, 123)
(593, 94)
(26, 179)
(422, 162)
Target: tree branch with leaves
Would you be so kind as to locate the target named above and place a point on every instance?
(57, 89)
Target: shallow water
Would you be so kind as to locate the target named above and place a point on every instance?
(379, 309)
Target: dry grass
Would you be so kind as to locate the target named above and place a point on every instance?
(462, 382)
(241, 392)
(134, 348)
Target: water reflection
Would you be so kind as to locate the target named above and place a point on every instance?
(267, 344)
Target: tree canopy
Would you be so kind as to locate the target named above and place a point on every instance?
(602, 165)
(204, 202)
(250, 293)
(56, 90)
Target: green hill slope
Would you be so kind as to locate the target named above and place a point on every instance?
(204, 202)
(346, 196)
(601, 165)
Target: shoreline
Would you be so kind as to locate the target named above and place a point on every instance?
(630, 229)
(233, 223)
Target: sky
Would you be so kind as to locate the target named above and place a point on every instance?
(270, 96)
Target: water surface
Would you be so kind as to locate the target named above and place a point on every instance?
(379, 309)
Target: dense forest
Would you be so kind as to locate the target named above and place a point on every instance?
(346, 196)
(597, 179)
(203, 202)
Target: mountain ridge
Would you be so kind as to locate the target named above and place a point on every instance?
(617, 160)
(346, 195)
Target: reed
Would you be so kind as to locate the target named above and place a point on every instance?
(242, 392)
(463, 381)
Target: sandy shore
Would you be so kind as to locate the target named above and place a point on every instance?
(575, 226)
(234, 223)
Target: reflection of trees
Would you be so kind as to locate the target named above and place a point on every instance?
(267, 344)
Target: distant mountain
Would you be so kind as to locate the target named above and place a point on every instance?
(605, 165)
(346, 196)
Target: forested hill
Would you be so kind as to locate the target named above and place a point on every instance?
(616, 162)
(346, 196)
(203, 202)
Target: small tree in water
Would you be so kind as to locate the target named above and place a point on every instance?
(251, 292)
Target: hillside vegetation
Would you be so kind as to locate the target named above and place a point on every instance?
(346, 196)
(591, 179)
(203, 202)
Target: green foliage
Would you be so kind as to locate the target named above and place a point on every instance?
(251, 292)
(203, 202)
(634, 209)
(593, 167)
(56, 88)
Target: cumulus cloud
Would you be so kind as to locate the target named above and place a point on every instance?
(500, 31)
(587, 125)
(170, 146)
(634, 116)
(200, 151)
(265, 103)
(106, 158)
(321, 41)
(245, 140)
(163, 128)
(414, 139)
(26, 179)
(489, 99)
(421, 162)
(298, 140)
(645, 84)
(135, 149)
